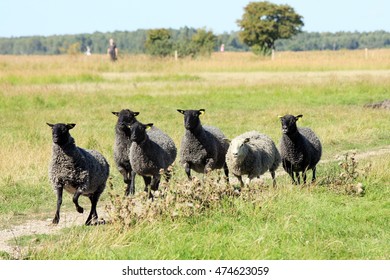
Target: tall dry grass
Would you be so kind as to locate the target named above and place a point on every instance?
(217, 62)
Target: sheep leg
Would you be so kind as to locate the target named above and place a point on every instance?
(76, 200)
(240, 180)
(59, 202)
(127, 179)
(131, 185)
(287, 166)
(167, 175)
(292, 177)
(155, 182)
(209, 165)
(304, 177)
(125, 174)
(128, 189)
(248, 181)
(187, 169)
(291, 173)
(93, 213)
(313, 179)
(147, 181)
(226, 170)
(273, 178)
(298, 178)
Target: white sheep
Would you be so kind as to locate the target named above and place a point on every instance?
(252, 154)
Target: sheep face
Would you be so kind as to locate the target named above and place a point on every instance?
(191, 118)
(126, 116)
(60, 132)
(289, 124)
(238, 148)
(138, 132)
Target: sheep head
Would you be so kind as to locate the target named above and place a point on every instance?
(238, 148)
(191, 118)
(138, 132)
(126, 116)
(60, 132)
(289, 123)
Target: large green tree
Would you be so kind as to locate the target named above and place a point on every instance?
(204, 42)
(158, 42)
(263, 23)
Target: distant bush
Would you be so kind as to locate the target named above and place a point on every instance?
(159, 43)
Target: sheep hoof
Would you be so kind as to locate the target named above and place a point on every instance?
(80, 209)
(95, 222)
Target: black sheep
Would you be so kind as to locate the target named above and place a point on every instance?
(203, 148)
(300, 148)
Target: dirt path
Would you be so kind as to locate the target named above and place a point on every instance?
(10, 235)
(73, 218)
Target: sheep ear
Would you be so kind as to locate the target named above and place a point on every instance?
(49, 124)
(135, 114)
(246, 140)
(298, 117)
(227, 140)
(181, 111)
(149, 125)
(202, 111)
(116, 113)
(70, 125)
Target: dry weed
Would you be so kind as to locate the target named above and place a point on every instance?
(349, 180)
(176, 199)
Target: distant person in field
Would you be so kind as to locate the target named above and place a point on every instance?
(112, 50)
(88, 52)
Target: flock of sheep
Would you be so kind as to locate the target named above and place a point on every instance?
(145, 150)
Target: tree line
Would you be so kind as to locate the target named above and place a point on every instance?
(307, 41)
(186, 41)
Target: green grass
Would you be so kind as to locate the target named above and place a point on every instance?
(50, 79)
(166, 78)
(288, 223)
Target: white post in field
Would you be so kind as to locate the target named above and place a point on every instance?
(366, 53)
(273, 54)
(176, 55)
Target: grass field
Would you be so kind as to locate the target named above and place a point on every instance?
(240, 92)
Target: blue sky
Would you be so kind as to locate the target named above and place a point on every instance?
(50, 17)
